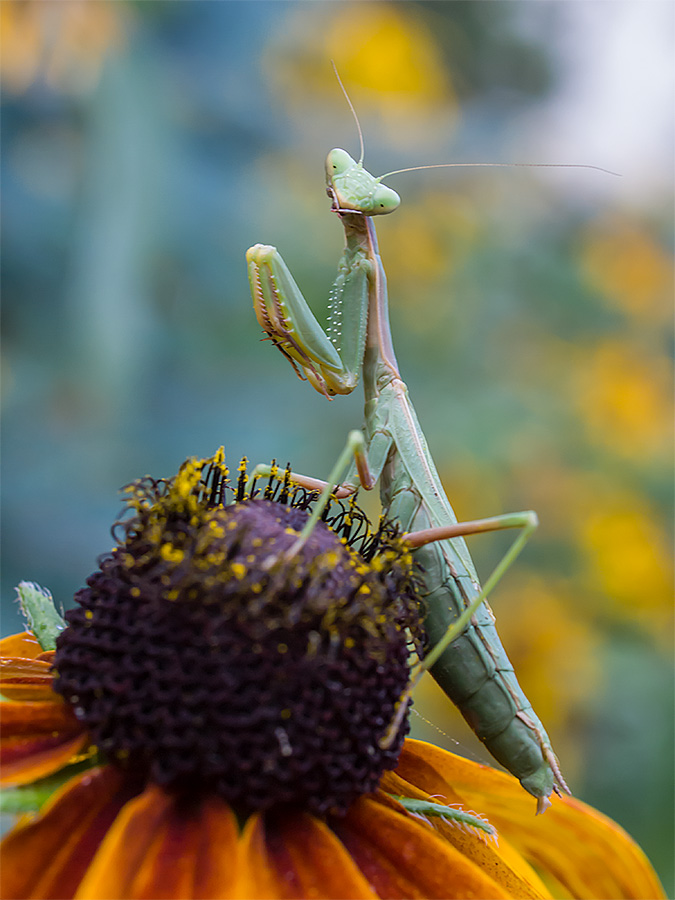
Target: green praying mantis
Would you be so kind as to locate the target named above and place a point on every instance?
(466, 657)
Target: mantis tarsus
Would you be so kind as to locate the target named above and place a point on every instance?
(466, 656)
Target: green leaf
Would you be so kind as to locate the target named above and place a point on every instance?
(43, 618)
(31, 797)
(448, 813)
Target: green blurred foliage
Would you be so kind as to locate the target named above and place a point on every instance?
(147, 145)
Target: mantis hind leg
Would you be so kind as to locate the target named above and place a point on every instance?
(490, 699)
(527, 521)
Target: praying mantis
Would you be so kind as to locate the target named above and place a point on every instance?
(466, 657)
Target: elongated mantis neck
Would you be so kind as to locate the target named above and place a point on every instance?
(379, 360)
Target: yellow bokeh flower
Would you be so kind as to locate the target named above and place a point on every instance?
(65, 43)
(624, 397)
(629, 560)
(629, 268)
(385, 54)
(388, 51)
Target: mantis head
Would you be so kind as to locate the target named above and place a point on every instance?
(353, 188)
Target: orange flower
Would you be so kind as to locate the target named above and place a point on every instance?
(237, 694)
(40, 733)
(104, 834)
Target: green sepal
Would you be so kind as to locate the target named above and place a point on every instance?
(28, 798)
(43, 618)
(449, 813)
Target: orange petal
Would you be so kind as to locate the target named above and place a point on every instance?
(402, 857)
(216, 862)
(15, 666)
(495, 856)
(24, 644)
(29, 718)
(160, 847)
(26, 679)
(255, 876)
(27, 759)
(591, 856)
(47, 856)
(36, 740)
(293, 854)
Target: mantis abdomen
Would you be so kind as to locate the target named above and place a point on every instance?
(474, 670)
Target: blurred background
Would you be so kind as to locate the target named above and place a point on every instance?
(147, 145)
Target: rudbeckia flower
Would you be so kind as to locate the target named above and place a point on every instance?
(213, 712)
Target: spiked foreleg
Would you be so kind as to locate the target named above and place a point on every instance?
(285, 317)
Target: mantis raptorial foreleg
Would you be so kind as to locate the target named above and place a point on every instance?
(466, 655)
(286, 318)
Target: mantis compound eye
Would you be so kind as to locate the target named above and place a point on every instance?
(338, 162)
(384, 200)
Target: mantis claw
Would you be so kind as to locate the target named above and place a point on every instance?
(272, 315)
(288, 322)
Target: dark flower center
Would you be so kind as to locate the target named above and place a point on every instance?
(205, 655)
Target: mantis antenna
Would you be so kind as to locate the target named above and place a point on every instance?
(353, 111)
(457, 165)
(499, 165)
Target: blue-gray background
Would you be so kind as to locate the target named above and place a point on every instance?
(147, 145)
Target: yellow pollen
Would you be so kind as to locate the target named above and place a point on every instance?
(282, 648)
(257, 542)
(286, 713)
(89, 614)
(186, 480)
(238, 570)
(135, 592)
(170, 553)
